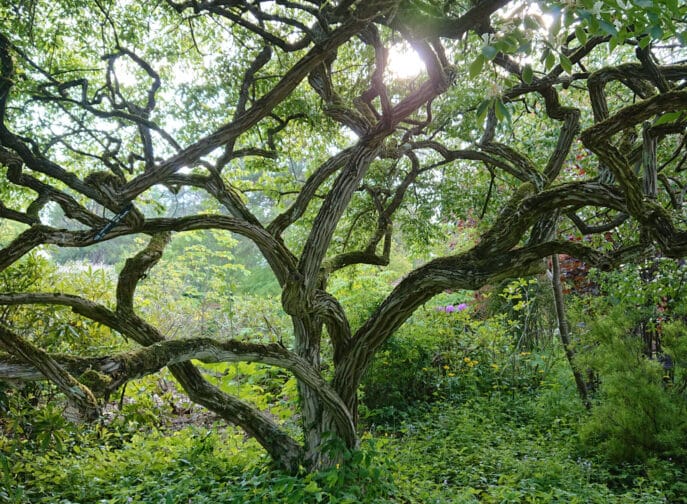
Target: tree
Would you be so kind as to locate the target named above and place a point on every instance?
(288, 116)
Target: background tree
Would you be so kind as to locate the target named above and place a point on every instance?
(292, 118)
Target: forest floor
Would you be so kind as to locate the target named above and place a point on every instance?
(498, 448)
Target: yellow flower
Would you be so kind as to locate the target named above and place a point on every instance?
(467, 359)
(445, 366)
(452, 374)
(495, 366)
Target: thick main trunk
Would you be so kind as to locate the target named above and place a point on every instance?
(308, 336)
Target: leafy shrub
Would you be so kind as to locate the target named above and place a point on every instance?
(637, 413)
(635, 341)
(527, 306)
(267, 387)
(33, 419)
(190, 465)
(500, 449)
(445, 353)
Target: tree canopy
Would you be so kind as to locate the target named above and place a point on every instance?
(552, 127)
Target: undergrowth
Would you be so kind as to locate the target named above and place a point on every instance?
(497, 450)
(457, 408)
(489, 448)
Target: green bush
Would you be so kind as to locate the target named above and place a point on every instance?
(501, 449)
(637, 412)
(190, 465)
(444, 353)
(634, 343)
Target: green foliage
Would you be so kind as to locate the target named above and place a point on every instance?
(32, 420)
(203, 261)
(446, 352)
(361, 288)
(639, 356)
(202, 466)
(501, 449)
(143, 407)
(638, 413)
(513, 443)
(56, 328)
(270, 389)
(485, 449)
(24, 274)
(644, 20)
(527, 306)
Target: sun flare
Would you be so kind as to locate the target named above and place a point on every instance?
(404, 63)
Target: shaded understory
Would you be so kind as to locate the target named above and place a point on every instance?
(497, 448)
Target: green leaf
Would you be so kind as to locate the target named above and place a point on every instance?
(593, 23)
(566, 64)
(512, 42)
(482, 110)
(476, 66)
(581, 35)
(312, 487)
(667, 117)
(656, 32)
(584, 14)
(525, 47)
(502, 111)
(489, 52)
(427, 7)
(672, 6)
(568, 18)
(527, 75)
(498, 111)
(607, 27)
(550, 61)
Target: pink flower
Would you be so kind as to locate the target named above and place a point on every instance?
(451, 309)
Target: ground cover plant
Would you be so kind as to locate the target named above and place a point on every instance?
(316, 219)
(487, 448)
(503, 425)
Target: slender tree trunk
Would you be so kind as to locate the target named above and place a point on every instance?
(565, 332)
